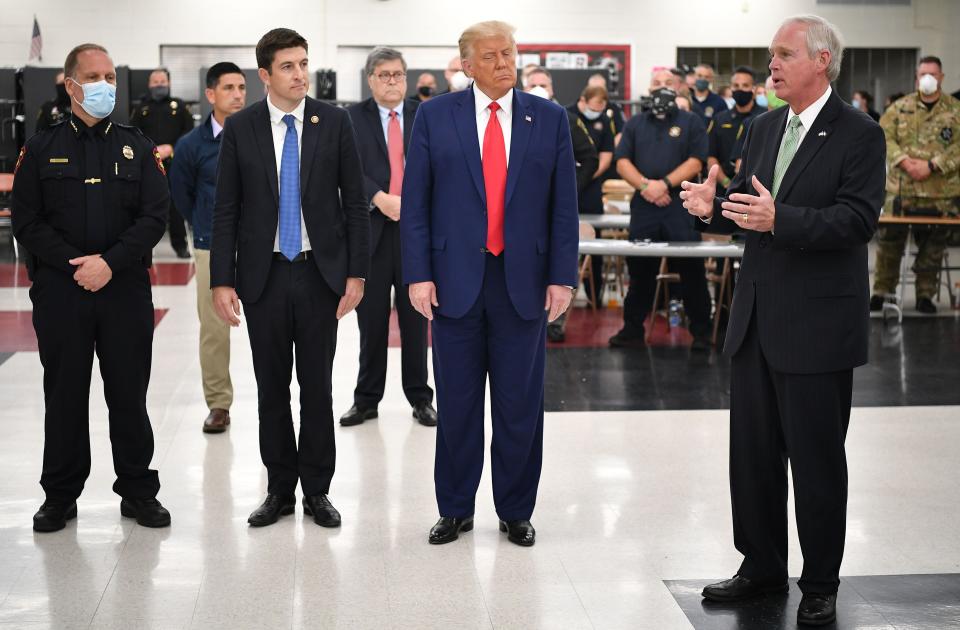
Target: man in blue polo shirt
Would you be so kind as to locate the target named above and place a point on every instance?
(659, 149)
(193, 178)
(704, 101)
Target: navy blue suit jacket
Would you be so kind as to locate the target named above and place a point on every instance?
(443, 221)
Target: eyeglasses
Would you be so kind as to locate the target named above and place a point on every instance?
(385, 77)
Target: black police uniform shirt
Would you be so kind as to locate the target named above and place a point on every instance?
(82, 190)
(601, 129)
(162, 121)
(51, 113)
(657, 147)
(724, 131)
(602, 135)
(709, 107)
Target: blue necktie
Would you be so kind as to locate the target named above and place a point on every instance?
(290, 239)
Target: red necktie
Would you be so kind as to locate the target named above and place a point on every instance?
(494, 179)
(395, 151)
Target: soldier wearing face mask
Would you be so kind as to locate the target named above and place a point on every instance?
(659, 149)
(923, 178)
(706, 103)
(164, 119)
(730, 126)
(55, 111)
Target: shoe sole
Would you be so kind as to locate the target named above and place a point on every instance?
(817, 622)
(128, 513)
(770, 590)
(69, 516)
(466, 527)
(214, 429)
(284, 511)
(363, 418)
(516, 541)
(309, 512)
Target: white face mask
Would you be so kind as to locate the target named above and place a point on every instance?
(928, 84)
(539, 90)
(459, 81)
(591, 114)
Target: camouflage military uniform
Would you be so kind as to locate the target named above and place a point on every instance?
(913, 131)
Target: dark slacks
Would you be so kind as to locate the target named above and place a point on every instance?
(490, 340)
(664, 224)
(296, 310)
(776, 417)
(72, 324)
(373, 318)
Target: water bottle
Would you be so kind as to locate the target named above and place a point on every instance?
(674, 316)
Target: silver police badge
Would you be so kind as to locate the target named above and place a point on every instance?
(675, 131)
(128, 152)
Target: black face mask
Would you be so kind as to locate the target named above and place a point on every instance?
(701, 85)
(159, 92)
(742, 97)
(62, 96)
(663, 103)
(425, 90)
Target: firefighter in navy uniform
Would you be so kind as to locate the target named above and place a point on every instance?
(164, 120)
(90, 202)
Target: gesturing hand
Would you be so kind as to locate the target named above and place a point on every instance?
(698, 198)
(751, 212)
(423, 297)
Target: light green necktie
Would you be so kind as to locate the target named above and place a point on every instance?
(788, 148)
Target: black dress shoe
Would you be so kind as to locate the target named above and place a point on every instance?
(356, 415)
(425, 414)
(319, 507)
(556, 333)
(739, 587)
(182, 252)
(625, 339)
(53, 515)
(272, 508)
(876, 303)
(817, 609)
(519, 532)
(148, 512)
(448, 529)
(926, 305)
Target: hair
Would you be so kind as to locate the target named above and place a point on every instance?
(484, 30)
(867, 96)
(540, 70)
(746, 70)
(821, 35)
(277, 39)
(931, 59)
(217, 70)
(705, 64)
(597, 75)
(595, 91)
(161, 69)
(70, 65)
(382, 54)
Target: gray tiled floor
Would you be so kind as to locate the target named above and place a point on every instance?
(628, 500)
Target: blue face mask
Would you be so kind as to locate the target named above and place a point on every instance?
(762, 100)
(99, 98)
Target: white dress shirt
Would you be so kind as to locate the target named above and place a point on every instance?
(504, 115)
(809, 115)
(279, 129)
(385, 123)
(215, 126)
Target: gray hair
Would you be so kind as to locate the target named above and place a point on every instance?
(821, 35)
(382, 54)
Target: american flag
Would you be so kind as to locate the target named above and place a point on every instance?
(36, 42)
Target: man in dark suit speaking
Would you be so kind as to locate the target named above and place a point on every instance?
(808, 194)
(291, 238)
(489, 232)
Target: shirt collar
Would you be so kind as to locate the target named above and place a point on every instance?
(483, 101)
(809, 115)
(215, 127)
(101, 129)
(385, 112)
(276, 114)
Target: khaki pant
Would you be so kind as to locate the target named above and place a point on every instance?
(214, 340)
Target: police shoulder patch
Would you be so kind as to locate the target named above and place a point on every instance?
(16, 168)
(159, 162)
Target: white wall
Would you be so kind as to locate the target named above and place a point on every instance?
(134, 31)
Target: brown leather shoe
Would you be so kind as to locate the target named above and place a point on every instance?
(217, 421)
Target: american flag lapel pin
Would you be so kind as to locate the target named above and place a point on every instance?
(529, 119)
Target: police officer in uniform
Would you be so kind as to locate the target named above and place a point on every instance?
(55, 111)
(728, 127)
(614, 110)
(659, 149)
(164, 119)
(923, 178)
(705, 102)
(89, 203)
